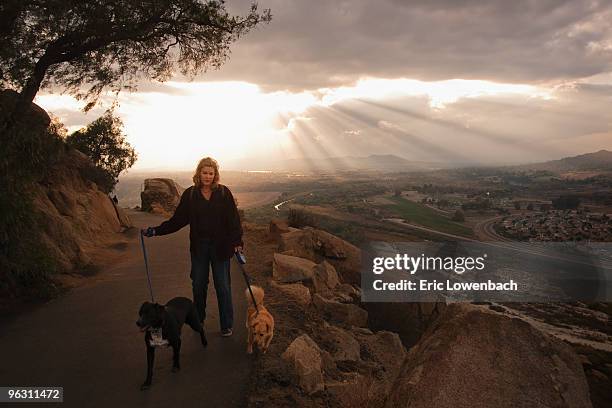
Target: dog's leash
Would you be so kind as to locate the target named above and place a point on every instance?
(144, 252)
(241, 261)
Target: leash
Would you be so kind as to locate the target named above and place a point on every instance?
(144, 252)
(241, 261)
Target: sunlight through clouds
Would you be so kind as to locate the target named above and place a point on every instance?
(440, 93)
(173, 124)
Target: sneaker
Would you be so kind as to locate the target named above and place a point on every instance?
(226, 332)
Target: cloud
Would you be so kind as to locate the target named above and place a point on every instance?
(498, 129)
(320, 43)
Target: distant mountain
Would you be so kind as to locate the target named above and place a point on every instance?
(374, 162)
(597, 161)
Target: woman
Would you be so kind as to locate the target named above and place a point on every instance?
(210, 210)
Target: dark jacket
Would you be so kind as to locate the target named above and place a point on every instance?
(222, 221)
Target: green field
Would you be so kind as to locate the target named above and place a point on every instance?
(418, 214)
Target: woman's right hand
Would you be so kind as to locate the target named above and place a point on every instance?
(148, 232)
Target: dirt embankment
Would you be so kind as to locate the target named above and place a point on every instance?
(60, 218)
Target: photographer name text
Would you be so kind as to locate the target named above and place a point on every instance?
(434, 285)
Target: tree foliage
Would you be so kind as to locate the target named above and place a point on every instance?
(459, 216)
(85, 47)
(104, 142)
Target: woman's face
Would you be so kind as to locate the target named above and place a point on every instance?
(207, 175)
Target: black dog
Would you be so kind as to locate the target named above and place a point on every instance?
(169, 319)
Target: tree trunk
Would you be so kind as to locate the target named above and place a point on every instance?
(27, 94)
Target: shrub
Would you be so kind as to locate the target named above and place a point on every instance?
(299, 218)
(459, 216)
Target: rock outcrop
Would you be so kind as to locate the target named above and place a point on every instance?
(471, 357)
(75, 215)
(277, 227)
(35, 117)
(340, 313)
(295, 291)
(464, 355)
(160, 196)
(325, 279)
(289, 269)
(304, 356)
(318, 245)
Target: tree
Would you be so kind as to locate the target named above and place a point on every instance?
(459, 216)
(102, 44)
(104, 142)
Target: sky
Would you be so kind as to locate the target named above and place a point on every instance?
(461, 81)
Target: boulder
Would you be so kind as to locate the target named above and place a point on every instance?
(344, 313)
(473, 357)
(347, 293)
(298, 242)
(373, 375)
(318, 245)
(349, 391)
(304, 356)
(340, 343)
(384, 354)
(161, 195)
(325, 278)
(295, 291)
(277, 227)
(289, 269)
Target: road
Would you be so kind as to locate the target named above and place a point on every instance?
(486, 232)
(87, 341)
(408, 226)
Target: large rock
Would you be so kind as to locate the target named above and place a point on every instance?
(351, 390)
(344, 313)
(289, 269)
(382, 356)
(277, 227)
(340, 343)
(295, 291)
(325, 278)
(472, 357)
(160, 195)
(304, 356)
(318, 245)
(347, 293)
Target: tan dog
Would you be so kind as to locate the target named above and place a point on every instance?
(259, 324)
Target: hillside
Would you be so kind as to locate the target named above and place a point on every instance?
(59, 222)
(597, 161)
(374, 162)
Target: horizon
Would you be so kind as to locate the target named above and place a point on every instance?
(318, 169)
(533, 92)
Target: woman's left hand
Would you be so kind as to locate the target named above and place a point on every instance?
(238, 248)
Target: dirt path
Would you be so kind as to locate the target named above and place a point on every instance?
(88, 342)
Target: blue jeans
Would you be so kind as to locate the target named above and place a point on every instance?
(201, 259)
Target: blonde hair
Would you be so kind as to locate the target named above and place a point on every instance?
(206, 162)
